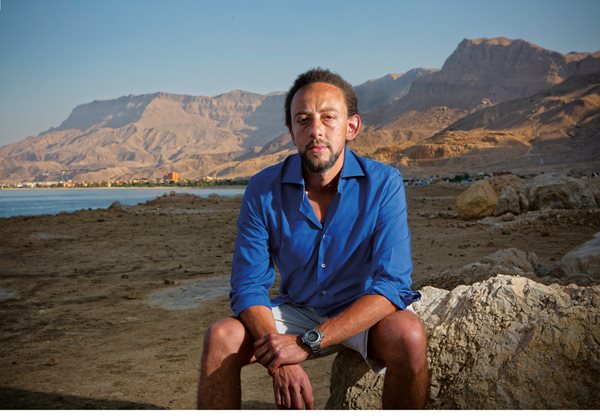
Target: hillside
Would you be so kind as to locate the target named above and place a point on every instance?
(555, 129)
(374, 94)
(420, 120)
(148, 135)
(484, 72)
(480, 73)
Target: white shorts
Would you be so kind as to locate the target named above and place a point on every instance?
(295, 320)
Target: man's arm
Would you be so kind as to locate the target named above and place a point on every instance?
(258, 320)
(360, 316)
(276, 350)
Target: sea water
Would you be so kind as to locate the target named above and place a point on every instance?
(32, 202)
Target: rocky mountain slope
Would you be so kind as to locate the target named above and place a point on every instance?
(480, 73)
(484, 72)
(376, 93)
(148, 135)
(556, 128)
(238, 133)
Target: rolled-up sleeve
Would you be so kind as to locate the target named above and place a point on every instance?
(252, 273)
(391, 258)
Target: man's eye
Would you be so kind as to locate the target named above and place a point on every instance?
(302, 120)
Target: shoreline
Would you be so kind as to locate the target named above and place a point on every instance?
(34, 202)
(228, 186)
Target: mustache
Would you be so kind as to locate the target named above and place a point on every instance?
(317, 143)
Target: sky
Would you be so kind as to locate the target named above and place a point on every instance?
(57, 54)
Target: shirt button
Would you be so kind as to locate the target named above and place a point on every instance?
(324, 292)
(323, 265)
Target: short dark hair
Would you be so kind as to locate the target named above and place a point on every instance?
(320, 75)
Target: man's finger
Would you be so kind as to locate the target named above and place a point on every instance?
(264, 355)
(297, 401)
(265, 360)
(258, 343)
(278, 401)
(273, 364)
(307, 396)
(259, 352)
(286, 400)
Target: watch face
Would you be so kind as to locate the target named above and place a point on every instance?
(312, 336)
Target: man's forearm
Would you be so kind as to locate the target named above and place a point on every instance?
(271, 349)
(361, 315)
(259, 321)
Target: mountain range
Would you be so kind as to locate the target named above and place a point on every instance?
(496, 104)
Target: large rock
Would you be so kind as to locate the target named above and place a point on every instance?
(479, 200)
(505, 343)
(557, 191)
(508, 202)
(512, 194)
(581, 264)
(353, 385)
(513, 258)
(510, 261)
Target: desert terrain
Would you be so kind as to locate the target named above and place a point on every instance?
(94, 313)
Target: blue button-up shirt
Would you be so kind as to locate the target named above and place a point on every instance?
(361, 248)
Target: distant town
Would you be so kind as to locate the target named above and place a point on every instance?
(171, 179)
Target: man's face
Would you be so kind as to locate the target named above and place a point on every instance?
(320, 125)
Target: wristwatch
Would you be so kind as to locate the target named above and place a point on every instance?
(312, 338)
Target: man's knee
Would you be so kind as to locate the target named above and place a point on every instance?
(226, 337)
(400, 340)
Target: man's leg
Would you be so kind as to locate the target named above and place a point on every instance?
(399, 341)
(227, 348)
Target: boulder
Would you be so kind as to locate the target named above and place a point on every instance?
(508, 202)
(557, 191)
(512, 194)
(511, 261)
(477, 201)
(513, 258)
(353, 385)
(582, 264)
(504, 343)
(116, 206)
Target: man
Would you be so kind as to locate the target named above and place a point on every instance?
(335, 226)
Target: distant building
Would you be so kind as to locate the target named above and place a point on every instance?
(171, 177)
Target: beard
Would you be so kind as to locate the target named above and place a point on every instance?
(315, 165)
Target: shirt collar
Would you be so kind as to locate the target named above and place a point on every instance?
(292, 170)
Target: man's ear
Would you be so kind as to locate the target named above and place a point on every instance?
(354, 125)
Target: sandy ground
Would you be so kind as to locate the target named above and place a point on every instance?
(81, 321)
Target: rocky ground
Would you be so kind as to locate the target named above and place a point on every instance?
(79, 327)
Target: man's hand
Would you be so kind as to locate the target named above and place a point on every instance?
(292, 388)
(275, 350)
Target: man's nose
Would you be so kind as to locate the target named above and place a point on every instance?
(316, 128)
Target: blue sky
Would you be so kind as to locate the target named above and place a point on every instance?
(57, 54)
